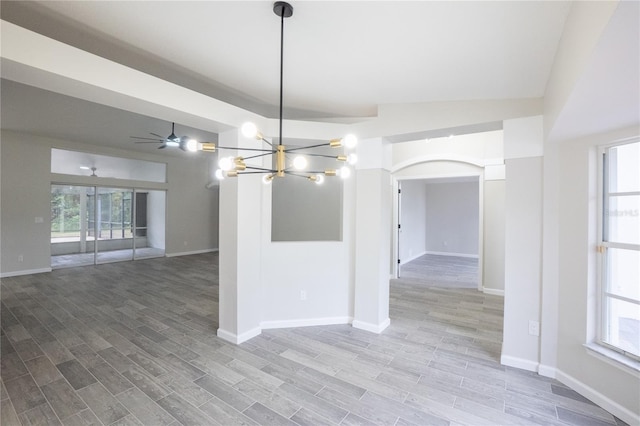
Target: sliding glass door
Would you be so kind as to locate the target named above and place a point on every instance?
(92, 225)
(72, 241)
(113, 225)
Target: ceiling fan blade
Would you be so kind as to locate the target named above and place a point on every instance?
(147, 142)
(155, 134)
(146, 139)
(163, 146)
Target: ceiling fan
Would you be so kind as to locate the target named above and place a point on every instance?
(172, 140)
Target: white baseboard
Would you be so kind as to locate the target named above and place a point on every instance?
(607, 403)
(373, 328)
(521, 363)
(310, 322)
(493, 291)
(444, 253)
(24, 272)
(547, 371)
(188, 253)
(238, 338)
(402, 262)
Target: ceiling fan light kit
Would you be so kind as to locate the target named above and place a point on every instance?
(230, 166)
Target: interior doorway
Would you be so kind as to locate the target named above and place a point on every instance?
(93, 224)
(439, 231)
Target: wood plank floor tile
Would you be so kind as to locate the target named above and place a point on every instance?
(226, 414)
(42, 370)
(113, 381)
(63, 399)
(145, 410)
(24, 393)
(146, 383)
(184, 412)
(76, 374)
(11, 366)
(27, 349)
(137, 341)
(8, 414)
(270, 399)
(264, 416)
(40, 415)
(224, 392)
(105, 406)
(358, 407)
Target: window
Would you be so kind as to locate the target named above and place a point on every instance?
(619, 301)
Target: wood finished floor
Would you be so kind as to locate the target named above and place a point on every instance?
(134, 343)
(442, 271)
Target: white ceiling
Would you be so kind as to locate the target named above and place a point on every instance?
(342, 58)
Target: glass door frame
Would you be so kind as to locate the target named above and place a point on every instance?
(97, 212)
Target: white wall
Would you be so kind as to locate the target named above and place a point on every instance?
(308, 282)
(156, 214)
(192, 213)
(523, 228)
(274, 284)
(372, 236)
(494, 235)
(25, 189)
(412, 239)
(614, 387)
(523, 145)
(452, 218)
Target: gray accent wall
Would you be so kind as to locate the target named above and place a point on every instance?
(452, 218)
(438, 217)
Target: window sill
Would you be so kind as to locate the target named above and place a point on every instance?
(614, 358)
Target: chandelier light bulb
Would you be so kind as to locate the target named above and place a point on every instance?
(249, 130)
(350, 141)
(226, 163)
(192, 145)
(352, 159)
(345, 172)
(266, 179)
(300, 162)
(319, 179)
(219, 174)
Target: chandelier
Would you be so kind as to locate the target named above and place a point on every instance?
(284, 164)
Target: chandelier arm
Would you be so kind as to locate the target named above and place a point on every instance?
(258, 155)
(256, 173)
(261, 168)
(268, 151)
(297, 174)
(266, 141)
(335, 157)
(306, 147)
(309, 172)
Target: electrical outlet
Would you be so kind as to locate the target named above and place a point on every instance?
(20, 258)
(39, 219)
(303, 295)
(534, 328)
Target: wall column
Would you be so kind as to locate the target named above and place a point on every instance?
(523, 147)
(373, 235)
(240, 254)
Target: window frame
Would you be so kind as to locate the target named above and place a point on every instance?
(602, 248)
